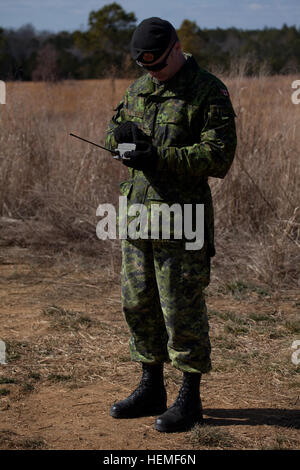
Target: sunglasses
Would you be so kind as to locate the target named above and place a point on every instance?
(157, 67)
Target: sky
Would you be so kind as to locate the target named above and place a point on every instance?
(59, 15)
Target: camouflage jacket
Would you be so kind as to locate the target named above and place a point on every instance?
(190, 120)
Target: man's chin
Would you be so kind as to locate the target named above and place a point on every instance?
(158, 76)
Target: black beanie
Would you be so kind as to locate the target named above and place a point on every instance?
(151, 39)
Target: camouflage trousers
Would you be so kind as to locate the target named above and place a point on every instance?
(164, 305)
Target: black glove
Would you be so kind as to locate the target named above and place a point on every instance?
(128, 132)
(143, 158)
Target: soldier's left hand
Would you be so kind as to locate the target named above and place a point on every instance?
(128, 132)
(143, 158)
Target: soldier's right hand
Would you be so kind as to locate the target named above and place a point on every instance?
(128, 132)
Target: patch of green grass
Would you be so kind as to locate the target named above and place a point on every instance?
(59, 377)
(283, 370)
(6, 436)
(234, 323)
(34, 376)
(7, 380)
(255, 354)
(4, 392)
(239, 288)
(62, 318)
(15, 350)
(239, 324)
(226, 342)
(31, 444)
(240, 358)
(233, 317)
(259, 317)
(16, 275)
(235, 329)
(210, 436)
(280, 442)
(27, 387)
(223, 366)
(293, 325)
(11, 440)
(261, 291)
(213, 313)
(295, 370)
(277, 334)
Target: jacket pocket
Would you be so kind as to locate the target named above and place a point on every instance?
(135, 108)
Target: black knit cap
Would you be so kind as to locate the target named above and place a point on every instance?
(151, 39)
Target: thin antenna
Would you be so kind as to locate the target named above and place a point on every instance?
(93, 143)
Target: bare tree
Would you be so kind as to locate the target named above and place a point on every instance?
(46, 68)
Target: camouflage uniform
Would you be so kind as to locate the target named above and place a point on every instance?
(190, 120)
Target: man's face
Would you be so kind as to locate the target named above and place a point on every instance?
(170, 56)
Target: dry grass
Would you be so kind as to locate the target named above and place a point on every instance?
(211, 437)
(10, 440)
(68, 361)
(54, 183)
(257, 203)
(67, 344)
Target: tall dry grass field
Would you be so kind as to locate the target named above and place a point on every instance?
(54, 182)
(60, 316)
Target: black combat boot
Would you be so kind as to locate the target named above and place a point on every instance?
(149, 398)
(186, 410)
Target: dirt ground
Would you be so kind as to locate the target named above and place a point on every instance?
(68, 361)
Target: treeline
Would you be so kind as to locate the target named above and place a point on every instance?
(103, 49)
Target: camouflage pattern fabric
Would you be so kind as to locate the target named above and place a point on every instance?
(190, 120)
(164, 305)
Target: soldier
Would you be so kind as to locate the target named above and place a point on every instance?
(182, 121)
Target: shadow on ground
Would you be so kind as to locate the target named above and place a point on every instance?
(253, 417)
